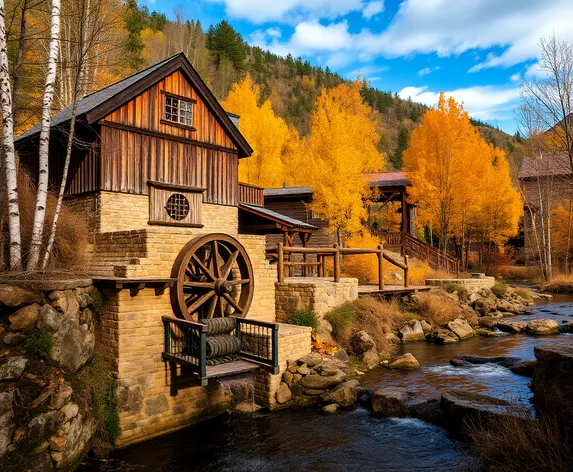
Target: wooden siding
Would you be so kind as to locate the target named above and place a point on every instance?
(130, 159)
(147, 110)
(251, 194)
(157, 207)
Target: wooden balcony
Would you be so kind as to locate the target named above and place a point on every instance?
(251, 194)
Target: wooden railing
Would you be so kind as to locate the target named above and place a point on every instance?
(414, 247)
(251, 194)
(336, 253)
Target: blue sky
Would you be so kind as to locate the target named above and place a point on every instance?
(475, 50)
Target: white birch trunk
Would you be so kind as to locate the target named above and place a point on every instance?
(8, 148)
(44, 149)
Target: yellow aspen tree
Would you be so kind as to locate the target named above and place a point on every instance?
(341, 147)
(265, 132)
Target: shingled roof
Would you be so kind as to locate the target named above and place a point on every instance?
(547, 167)
(95, 106)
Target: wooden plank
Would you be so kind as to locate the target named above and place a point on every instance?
(230, 368)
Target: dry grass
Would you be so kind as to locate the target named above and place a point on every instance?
(437, 307)
(71, 248)
(438, 274)
(377, 318)
(516, 273)
(518, 442)
(560, 283)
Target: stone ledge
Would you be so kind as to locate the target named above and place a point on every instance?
(49, 285)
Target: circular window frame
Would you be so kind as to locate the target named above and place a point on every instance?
(177, 207)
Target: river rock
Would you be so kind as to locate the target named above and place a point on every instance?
(344, 395)
(488, 322)
(511, 326)
(426, 410)
(303, 369)
(504, 361)
(323, 332)
(283, 393)
(389, 401)
(461, 328)
(311, 359)
(542, 327)
(460, 407)
(321, 382)
(524, 368)
(25, 318)
(566, 327)
(6, 421)
(426, 327)
(341, 355)
(13, 367)
(10, 295)
(370, 359)
(404, 362)
(332, 408)
(360, 342)
(247, 407)
(444, 336)
(412, 331)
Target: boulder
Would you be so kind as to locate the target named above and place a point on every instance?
(13, 367)
(6, 421)
(488, 322)
(332, 408)
(426, 327)
(70, 410)
(25, 318)
(342, 355)
(14, 339)
(524, 368)
(61, 397)
(389, 401)
(412, 331)
(65, 302)
(542, 327)
(511, 326)
(404, 362)
(444, 336)
(344, 395)
(10, 295)
(288, 377)
(566, 327)
(370, 359)
(323, 332)
(461, 328)
(283, 393)
(426, 410)
(84, 299)
(311, 359)
(360, 342)
(78, 442)
(460, 407)
(504, 361)
(303, 369)
(44, 425)
(321, 382)
(248, 407)
(49, 319)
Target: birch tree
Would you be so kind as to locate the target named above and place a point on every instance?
(8, 149)
(44, 148)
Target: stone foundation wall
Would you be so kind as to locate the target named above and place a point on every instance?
(472, 284)
(294, 343)
(310, 293)
(150, 401)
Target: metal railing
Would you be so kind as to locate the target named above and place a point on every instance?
(185, 342)
(336, 253)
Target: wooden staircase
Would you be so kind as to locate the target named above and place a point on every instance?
(413, 247)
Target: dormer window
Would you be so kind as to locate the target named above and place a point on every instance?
(178, 111)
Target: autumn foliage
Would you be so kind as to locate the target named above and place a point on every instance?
(461, 183)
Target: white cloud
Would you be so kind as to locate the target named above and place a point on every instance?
(427, 70)
(515, 77)
(484, 102)
(288, 11)
(367, 72)
(373, 8)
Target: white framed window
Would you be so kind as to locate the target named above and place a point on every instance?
(178, 110)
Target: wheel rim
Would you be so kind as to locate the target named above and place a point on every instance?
(214, 279)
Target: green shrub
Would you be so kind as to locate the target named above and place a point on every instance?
(524, 293)
(499, 290)
(304, 318)
(461, 290)
(342, 317)
(97, 303)
(39, 343)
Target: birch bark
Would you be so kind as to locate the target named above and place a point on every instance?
(44, 148)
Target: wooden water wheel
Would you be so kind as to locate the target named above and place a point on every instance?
(214, 279)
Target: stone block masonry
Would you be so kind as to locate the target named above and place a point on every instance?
(473, 284)
(311, 293)
(294, 343)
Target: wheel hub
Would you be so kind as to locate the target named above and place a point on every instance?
(222, 287)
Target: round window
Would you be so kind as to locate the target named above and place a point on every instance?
(177, 206)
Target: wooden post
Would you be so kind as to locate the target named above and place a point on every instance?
(381, 267)
(280, 264)
(319, 267)
(337, 264)
(406, 280)
(323, 265)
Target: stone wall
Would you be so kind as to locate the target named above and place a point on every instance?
(312, 293)
(150, 400)
(294, 343)
(45, 419)
(472, 284)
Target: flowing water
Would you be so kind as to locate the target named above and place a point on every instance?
(292, 440)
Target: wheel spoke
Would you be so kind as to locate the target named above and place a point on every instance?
(226, 269)
(215, 259)
(212, 305)
(203, 267)
(200, 301)
(190, 284)
(238, 281)
(221, 307)
(232, 302)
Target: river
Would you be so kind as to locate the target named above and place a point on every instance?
(292, 440)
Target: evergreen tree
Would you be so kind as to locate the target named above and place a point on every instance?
(135, 23)
(403, 140)
(224, 41)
